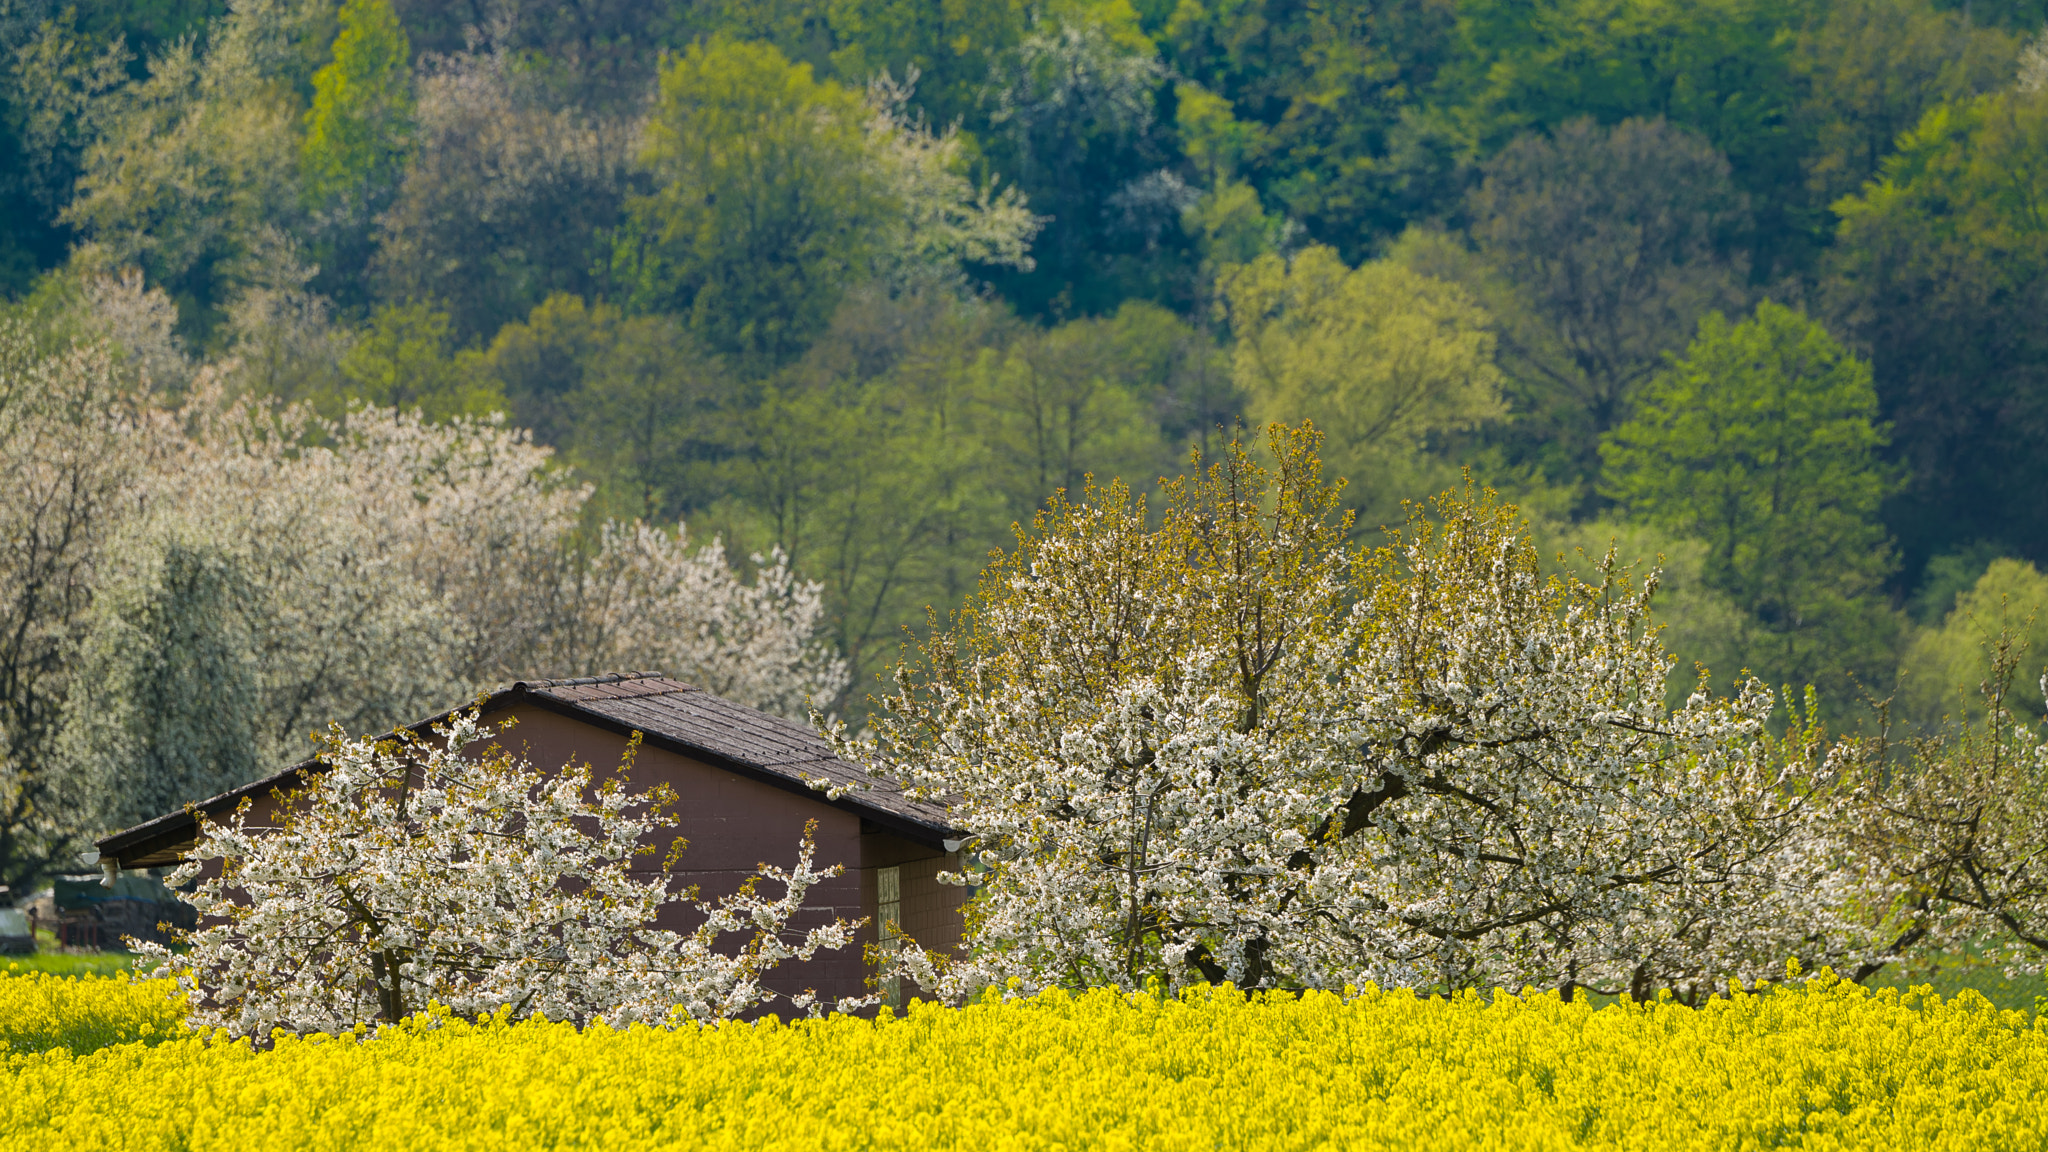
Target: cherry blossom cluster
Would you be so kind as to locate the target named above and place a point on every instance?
(372, 570)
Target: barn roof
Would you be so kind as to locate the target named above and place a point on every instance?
(668, 714)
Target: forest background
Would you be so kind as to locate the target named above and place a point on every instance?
(1754, 287)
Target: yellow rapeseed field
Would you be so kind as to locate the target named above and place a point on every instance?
(39, 1011)
(1819, 1065)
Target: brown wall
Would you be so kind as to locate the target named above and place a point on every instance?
(734, 824)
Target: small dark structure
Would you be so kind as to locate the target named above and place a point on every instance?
(740, 778)
(93, 914)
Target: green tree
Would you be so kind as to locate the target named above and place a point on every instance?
(1718, 68)
(868, 464)
(768, 205)
(1380, 357)
(360, 125)
(1059, 405)
(1867, 70)
(1941, 271)
(52, 74)
(950, 44)
(406, 359)
(541, 362)
(1181, 371)
(1944, 666)
(358, 134)
(1323, 108)
(2020, 15)
(649, 418)
(192, 174)
(1947, 577)
(1614, 242)
(511, 195)
(641, 408)
(1762, 442)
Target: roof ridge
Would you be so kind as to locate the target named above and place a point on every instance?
(582, 681)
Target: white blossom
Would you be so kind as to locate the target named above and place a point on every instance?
(1948, 832)
(947, 220)
(365, 571)
(657, 601)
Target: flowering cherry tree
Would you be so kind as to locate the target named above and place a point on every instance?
(1529, 812)
(652, 599)
(1230, 748)
(1137, 728)
(444, 869)
(1949, 830)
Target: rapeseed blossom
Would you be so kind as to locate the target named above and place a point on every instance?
(1824, 1064)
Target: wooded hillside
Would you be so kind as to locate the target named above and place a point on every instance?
(1754, 287)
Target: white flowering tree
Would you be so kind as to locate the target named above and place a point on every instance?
(72, 441)
(1140, 730)
(947, 221)
(654, 600)
(265, 573)
(1531, 813)
(446, 870)
(1949, 832)
(456, 542)
(1226, 748)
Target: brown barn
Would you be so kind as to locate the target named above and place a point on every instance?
(739, 776)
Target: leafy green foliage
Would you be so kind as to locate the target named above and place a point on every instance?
(359, 126)
(1867, 70)
(870, 279)
(1380, 358)
(950, 44)
(405, 359)
(1318, 108)
(1719, 68)
(634, 401)
(1612, 243)
(767, 208)
(1947, 577)
(1059, 406)
(1945, 666)
(1941, 269)
(511, 195)
(1761, 441)
(1700, 625)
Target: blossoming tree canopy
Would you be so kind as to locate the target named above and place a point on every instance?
(1531, 812)
(447, 870)
(1950, 827)
(1232, 747)
(1134, 724)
